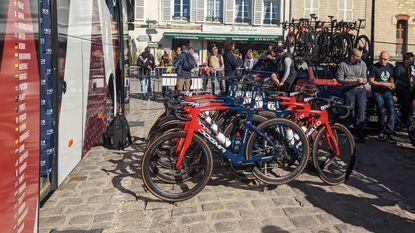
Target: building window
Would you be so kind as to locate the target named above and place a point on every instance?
(181, 10)
(401, 37)
(272, 11)
(345, 10)
(139, 9)
(311, 7)
(214, 10)
(243, 11)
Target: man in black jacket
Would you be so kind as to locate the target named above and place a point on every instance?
(231, 62)
(285, 74)
(404, 81)
(146, 63)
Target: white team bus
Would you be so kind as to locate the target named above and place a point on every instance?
(86, 64)
(92, 83)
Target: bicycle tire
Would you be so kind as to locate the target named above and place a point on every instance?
(164, 128)
(159, 123)
(302, 157)
(321, 163)
(322, 46)
(147, 172)
(363, 44)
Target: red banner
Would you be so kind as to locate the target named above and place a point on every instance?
(19, 119)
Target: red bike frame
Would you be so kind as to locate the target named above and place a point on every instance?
(192, 126)
(303, 111)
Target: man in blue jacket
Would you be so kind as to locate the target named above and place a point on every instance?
(182, 62)
(404, 81)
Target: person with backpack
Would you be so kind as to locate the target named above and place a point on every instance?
(146, 63)
(184, 64)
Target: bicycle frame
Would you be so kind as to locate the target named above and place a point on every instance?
(306, 113)
(302, 111)
(196, 125)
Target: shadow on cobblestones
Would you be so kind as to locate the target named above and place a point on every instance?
(389, 171)
(272, 229)
(369, 212)
(129, 166)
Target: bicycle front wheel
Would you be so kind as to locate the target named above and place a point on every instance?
(286, 159)
(164, 180)
(330, 168)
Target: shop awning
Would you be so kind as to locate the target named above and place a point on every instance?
(221, 37)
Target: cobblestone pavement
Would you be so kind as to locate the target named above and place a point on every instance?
(105, 191)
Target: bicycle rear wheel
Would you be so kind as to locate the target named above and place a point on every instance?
(363, 44)
(330, 168)
(343, 45)
(172, 184)
(284, 163)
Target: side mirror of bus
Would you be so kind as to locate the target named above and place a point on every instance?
(63, 87)
(130, 26)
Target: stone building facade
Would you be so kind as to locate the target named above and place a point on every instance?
(254, 23)
(202, 24)
(395, 27)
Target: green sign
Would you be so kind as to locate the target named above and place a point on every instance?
(220, 37)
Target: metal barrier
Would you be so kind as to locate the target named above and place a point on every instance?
(152, 84)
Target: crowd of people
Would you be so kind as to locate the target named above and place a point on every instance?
(388, 83)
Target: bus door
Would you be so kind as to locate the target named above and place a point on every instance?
(74, 30)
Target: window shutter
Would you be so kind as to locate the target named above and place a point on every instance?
(341, 4)
(229, 6)
(315, 4)
(193, 10)
(166, 8)
(349, 15)
(200, 10)
(258, 12)
(139, 9)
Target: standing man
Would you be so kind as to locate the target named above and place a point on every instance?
(352, 74)
(404, 85)
(215, 63)
(146, 63)
(231, 62)
(381, 80)
(184, 64)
